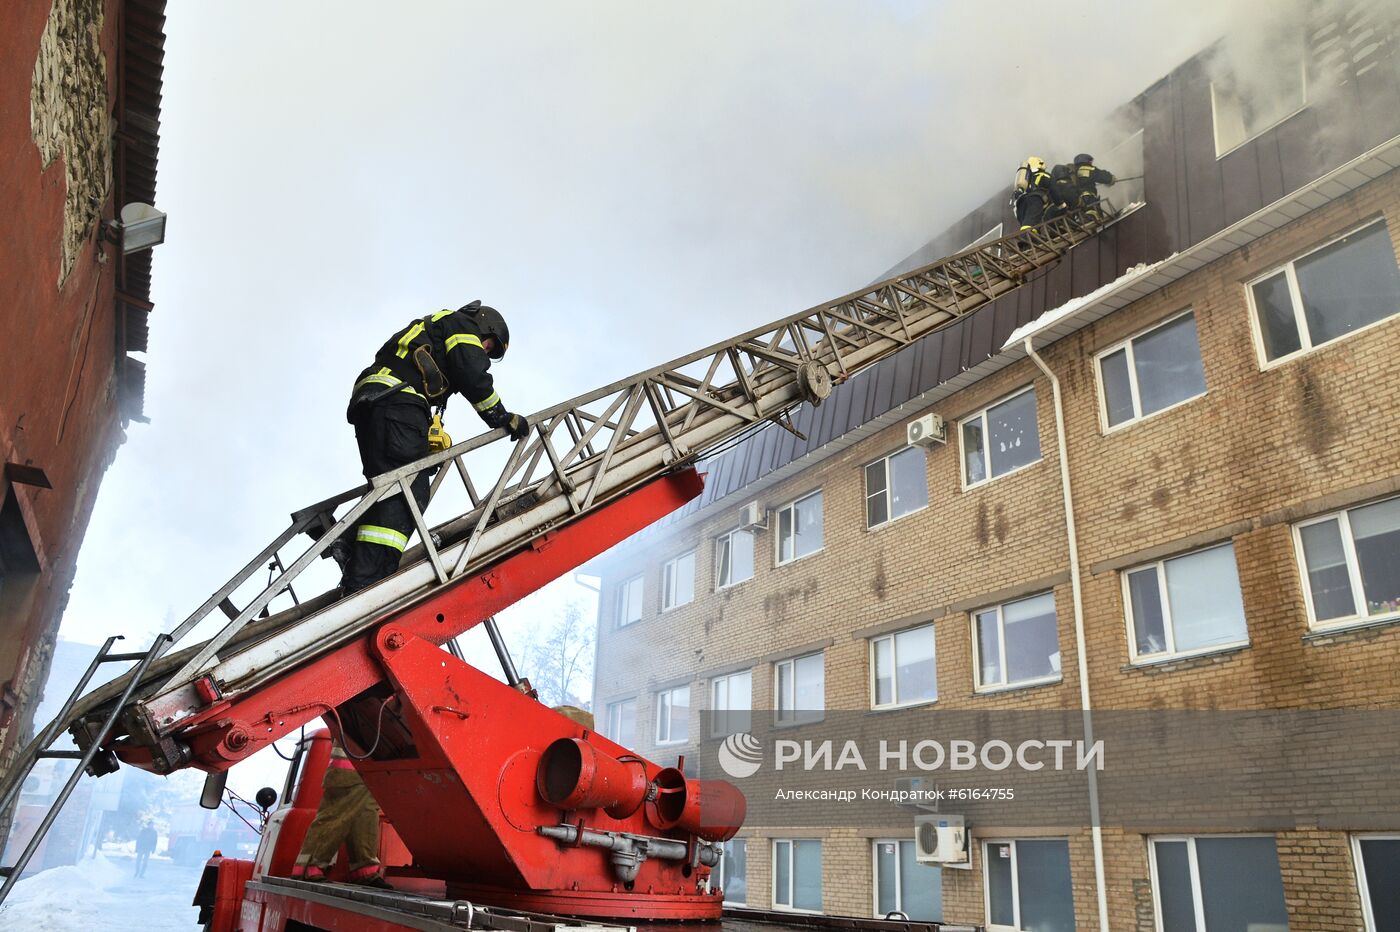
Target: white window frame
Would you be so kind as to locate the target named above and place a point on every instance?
(669, 579)
(1215, 116)
(716, 711)
(1127, 346)
(666, 706)
(1197, 897)
(1358, 594)
(729, 535)
(1361, 883)
(620, 599)
(898, 875)
(987, 439)
(718, 870)
(894, 672)
(612, 732)
(778, 700)
(792, 876)
(888, 492)
(1004, 686)
(1171, 653)
(993, 233)
(792, 523)
(1295, 295)
(1015, 881)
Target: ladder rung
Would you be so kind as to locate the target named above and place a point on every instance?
(61, 755)
(119, 658)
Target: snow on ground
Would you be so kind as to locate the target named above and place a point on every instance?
(101, 893)
(1074, 304)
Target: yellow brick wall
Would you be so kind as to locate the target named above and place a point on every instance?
(1259, 442)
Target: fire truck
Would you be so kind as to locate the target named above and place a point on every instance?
(498, 812)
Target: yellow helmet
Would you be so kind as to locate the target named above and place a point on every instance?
(1035, 164)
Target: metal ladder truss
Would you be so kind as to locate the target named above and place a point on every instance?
(40, 748)
(580, 454)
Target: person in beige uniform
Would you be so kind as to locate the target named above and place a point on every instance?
(349, 816)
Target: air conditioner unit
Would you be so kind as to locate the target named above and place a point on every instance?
(914, 787)
(753, 517)
(941, 839)
(927, 430)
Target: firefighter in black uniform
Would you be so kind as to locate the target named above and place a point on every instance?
(419, 367)
(1087, 178)
(1032, 197)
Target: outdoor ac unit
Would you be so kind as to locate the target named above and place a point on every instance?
(927, 430)
(941, 839)
(752, 516)
(914, 785)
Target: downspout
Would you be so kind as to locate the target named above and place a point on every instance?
(1077, 591)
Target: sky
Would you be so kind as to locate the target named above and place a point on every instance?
(625, 181)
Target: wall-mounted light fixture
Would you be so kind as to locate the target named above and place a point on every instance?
(141, 227)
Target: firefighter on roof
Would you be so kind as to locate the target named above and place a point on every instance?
(390, 406)
(1032, 197)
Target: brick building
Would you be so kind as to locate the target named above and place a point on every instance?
(1223, 419)
(80, 84)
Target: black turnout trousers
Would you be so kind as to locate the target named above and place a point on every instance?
(391, 432)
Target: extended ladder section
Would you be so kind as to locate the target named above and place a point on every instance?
(581, 455)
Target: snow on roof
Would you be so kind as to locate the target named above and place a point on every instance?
(1050, 318)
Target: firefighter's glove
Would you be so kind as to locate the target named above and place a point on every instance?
(438, 439)
(517, 427)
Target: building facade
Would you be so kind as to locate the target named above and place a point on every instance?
(79, 120)
(1223, 421)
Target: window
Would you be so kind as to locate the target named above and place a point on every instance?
(732, 871)
(1351, 563)
(629, 601)
(1244, 109)
(797, 874)
(800, 684)
(1218, 883)
(1377, 859)
(1185, 605)
(1017, 643)
(903, 884)
(902, 668)
(678, 581)
(895, 486)
(1000, 439)
(1346, 285)
(1027, 885)
(1151, 372)
(673, 715)
(994, 233)
(733, 558)
(622, 722)
(731, 701)
(800, 528)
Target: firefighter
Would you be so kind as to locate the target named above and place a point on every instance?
(1032, 196)
(1063, 194)
(419, 367)
(347, 815)
(1087, 178)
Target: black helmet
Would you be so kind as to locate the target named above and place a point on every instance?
(1083, 159)
(489, 323)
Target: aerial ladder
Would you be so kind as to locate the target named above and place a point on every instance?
(503, 800)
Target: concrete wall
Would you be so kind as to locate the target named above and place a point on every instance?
(58, 320)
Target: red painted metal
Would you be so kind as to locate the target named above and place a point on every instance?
(243, 724)
(459, 781)
(467, 804)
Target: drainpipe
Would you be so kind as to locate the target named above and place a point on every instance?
(1078, 596)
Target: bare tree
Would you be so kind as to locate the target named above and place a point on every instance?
(558, 658)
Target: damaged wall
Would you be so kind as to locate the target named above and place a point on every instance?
(69, 116)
